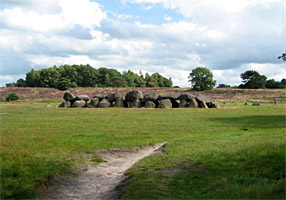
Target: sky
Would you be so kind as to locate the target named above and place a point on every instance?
(171, 37)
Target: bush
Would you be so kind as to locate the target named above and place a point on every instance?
(12, 97)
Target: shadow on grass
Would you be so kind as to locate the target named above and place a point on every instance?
(254, 121)
(257, 172)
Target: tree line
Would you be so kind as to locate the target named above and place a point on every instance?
(201, 79)
(72, 76)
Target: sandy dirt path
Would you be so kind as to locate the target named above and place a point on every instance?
(100, 182)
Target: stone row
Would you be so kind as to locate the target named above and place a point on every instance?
(136, 99)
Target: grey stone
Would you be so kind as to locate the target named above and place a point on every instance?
(82, 97)
(65, 104)
(193, 103)
(104, 103)
(113, 96)
(256, 104)
(79, 104)
(203, 104)
(165, 103)
(69, 96)
(175, 103)
(202, 98)
(119, 102)
(215, 105)
(100, 97)
(125, 103)
(133, 95)
(153, 96)
(183, 103)
(150, 104)
(171, 96)
(134, 104)
(187, 97)
(93, 103)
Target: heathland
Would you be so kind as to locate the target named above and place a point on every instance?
(237, 151)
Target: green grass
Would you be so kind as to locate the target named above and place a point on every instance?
(220, 153)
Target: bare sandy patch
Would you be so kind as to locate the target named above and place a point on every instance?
(100, 182)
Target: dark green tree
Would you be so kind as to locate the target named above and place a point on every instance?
(20, 83)
(222, 85)
(33, 78)
(49, 77)
(64, 84)
(168, 82)
(201, 79)
(119, 82)
(67, 76)
(70, 73)
(11, 84)
(253, 80)
(272, 84)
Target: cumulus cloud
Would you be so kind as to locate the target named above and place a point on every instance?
(228, 37)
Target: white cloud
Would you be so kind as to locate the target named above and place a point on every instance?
(70, 60)
(167, 18)
(72, 12)
(189, 7)
(229, 38)
(82, 12)
(124, 16)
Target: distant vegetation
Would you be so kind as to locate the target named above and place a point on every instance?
(201, 79)
(253, 80)
(72, 76)
(12, 97)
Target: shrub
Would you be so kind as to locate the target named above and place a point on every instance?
(12, 97)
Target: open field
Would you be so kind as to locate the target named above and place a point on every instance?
(218, 94)
(216, 153)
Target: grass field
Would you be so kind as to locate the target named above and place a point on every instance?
(216, 153)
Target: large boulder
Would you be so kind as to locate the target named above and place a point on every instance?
(79, 104)
(150, 104)
(69, 96)
(113, 96)
(256, 104)
(203, 104)
(175, 103)
(65, 104)
(104, 103)
(133, 95)
(187, 97)
(151, 97)
(99, 96)
(119, 102)
(193, 103)
(165, 103)
(93, 103)
(171, 96)
(82, 97)
(202, 98)
(125, 103)
(183, 103)
(134, 104)
(215, 105)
